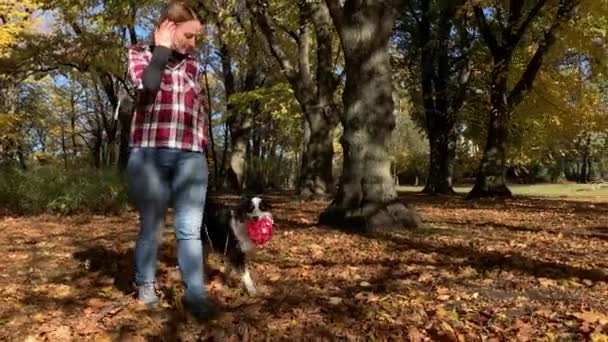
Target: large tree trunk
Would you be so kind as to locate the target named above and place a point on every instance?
(316, 176)
(585, 174)
(441, 168)
(490, 180)
(367, 198)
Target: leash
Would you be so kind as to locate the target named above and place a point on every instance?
(211, 243)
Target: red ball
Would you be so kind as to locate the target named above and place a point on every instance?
(260, 231)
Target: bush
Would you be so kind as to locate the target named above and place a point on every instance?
(51, 189)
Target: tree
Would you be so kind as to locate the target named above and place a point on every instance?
(16, 24)
(315, 94)
(569, 122)
(243, 68)
(367, 197)
(436, 35)
(15, 21)
(503, 29)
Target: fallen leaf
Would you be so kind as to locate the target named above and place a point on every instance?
(107, 289)
(591, 317)
(63, 333)
(445, 332)
(599, 337)
(524, 330)
(103, 338)
(414, 335)
(546, 282)
(335, 300)
(451, 315)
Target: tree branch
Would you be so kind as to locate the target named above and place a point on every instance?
(525, 83)
(517, 32)
(326, 77)
(337, 14)
(263, 21)
(515, 12)
(286, 29)
(303, 40)
(486, 32)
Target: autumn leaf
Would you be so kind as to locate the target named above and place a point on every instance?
(591, 317)
(599, 337)
(524, 330)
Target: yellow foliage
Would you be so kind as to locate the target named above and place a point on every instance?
(15, 19)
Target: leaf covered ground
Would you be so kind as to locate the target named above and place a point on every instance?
(520, 269)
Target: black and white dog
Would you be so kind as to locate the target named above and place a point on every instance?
(224, 231)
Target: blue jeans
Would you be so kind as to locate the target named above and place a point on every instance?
(156, 176)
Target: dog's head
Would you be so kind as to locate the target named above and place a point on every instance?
(253, 208)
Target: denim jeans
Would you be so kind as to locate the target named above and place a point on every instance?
(156, 177)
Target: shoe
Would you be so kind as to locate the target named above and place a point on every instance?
(202, 311)
(147, 295)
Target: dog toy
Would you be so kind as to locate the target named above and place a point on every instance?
(260, 231)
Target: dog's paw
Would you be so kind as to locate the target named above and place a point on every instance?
(248, 283)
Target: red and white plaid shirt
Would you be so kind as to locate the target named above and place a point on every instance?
(176, 117)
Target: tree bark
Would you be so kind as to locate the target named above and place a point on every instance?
(125, 114)
(442, 142)
(209, 112)
(490, 180)
(316, 178)
(367, 199)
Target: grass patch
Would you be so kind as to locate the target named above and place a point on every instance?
(54, 190)
(571, 191)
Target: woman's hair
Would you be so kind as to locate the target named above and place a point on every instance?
(178, 11)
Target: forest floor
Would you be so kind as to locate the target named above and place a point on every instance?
(527, 268)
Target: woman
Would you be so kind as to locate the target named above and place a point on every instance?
(167, 158)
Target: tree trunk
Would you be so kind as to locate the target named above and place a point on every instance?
(222, 167)
(490, 181)
(125, 114)
(238, 155)
(441, 168)
(367, 198)
(64, 149)
(316, 176)
(209, 112)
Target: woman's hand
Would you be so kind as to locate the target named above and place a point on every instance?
(163, 35)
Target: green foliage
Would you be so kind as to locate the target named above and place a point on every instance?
(272, 173)
(409, 148)
(277, 108)
(49, 189)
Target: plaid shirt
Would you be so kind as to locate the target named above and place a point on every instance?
(176, 116)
